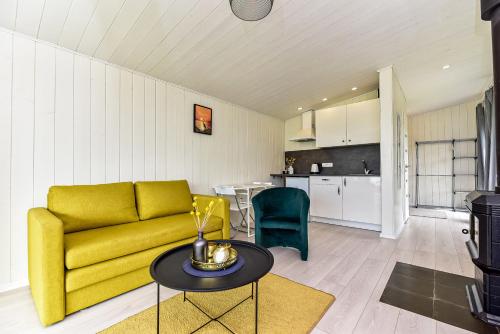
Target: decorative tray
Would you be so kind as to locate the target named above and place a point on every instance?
(211, 265)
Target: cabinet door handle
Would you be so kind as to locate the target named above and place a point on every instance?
(343, 140)
(345, 182)
(338, 190)
(349, 140)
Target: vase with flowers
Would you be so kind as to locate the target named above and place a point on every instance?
(201, 218)
(289, 164)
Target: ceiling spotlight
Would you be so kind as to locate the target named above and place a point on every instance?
(299, 108)
(324, 99)
(354, 88)
(445, 67)
(251, 10)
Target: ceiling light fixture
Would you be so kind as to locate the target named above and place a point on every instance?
(445, 67)
(324, 99)
(354, 88)
(299, 108)
(251, 10)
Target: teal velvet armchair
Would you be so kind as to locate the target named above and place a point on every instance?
(281, 217)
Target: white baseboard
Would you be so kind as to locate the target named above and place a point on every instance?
(13, 286)
(364, 226)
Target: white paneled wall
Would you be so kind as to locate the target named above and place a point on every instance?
(69, 119)
(456, 122)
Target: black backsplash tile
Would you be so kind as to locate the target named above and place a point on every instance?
(346, 159)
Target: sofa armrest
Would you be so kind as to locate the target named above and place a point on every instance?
(222, 211)
(46, 264)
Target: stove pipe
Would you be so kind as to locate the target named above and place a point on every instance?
(490, 11)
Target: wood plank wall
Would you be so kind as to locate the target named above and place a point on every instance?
(455, 122)
(70, 119)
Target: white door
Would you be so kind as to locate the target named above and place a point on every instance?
(362, 199)
(326, 197)
(331, 127)
(363, 122)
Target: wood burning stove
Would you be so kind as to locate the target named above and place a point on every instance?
(484, 207)
(484, 249)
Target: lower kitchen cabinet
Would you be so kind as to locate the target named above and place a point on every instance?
(326, 197)
(361, 200)
(345, 199)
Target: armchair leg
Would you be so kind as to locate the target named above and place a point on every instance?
(303, 254)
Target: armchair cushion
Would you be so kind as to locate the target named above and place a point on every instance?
(162, 198)
(93, 246)
(91, 206)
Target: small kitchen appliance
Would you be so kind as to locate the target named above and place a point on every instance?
(315, 169)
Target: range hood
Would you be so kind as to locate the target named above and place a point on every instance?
(306, 133)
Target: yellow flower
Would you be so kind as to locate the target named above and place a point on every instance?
(211, 204)
(195, 198)
(195, 204)
(197, 213)
(206, 209)
(191, 213)
(220, 200)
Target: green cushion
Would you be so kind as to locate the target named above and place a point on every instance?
(90, 206)
(162, 198)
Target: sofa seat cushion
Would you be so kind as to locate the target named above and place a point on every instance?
(93, 246)
(284, 223)
(91, 206)
(82, 277)
(162, 198)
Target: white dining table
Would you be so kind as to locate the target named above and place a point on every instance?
(249, 190)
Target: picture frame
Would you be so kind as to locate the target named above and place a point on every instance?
(202, 120)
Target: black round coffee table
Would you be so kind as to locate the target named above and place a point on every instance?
(167, 270)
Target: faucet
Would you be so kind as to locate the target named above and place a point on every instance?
(365, 167)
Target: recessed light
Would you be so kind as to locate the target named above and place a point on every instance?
(299, 108)
(354, 88)
(324, 99)
(445, 67)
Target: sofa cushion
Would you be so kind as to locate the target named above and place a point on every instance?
(90, 206)
(162, 198)
(105, 243)
(82, 277)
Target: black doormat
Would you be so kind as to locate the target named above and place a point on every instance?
(434, 294)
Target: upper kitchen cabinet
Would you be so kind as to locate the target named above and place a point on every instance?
(363, 122)
(352, 124)
(331, 126)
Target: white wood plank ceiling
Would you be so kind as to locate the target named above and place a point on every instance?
(302, 52)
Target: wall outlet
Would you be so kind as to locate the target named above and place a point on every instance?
(327, 164)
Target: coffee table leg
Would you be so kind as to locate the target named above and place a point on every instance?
(256, 306)
(157, 308)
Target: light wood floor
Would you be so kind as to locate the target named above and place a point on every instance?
(352, 264)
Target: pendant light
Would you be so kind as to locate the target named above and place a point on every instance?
(251, 10)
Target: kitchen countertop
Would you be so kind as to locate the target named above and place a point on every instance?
(309, 174)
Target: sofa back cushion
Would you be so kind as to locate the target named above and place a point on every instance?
(90, 206)
(162, 198)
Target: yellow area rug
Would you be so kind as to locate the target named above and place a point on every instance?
(284, 307)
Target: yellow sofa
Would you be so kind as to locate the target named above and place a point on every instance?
(94, 242)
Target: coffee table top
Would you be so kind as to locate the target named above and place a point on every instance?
(167, 270)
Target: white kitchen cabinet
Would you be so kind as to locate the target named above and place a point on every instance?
(352, 124)
(361, 200)
(326, 197)
(331, 127)
(363, 122)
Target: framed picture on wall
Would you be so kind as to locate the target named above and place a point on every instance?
(202, 120)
